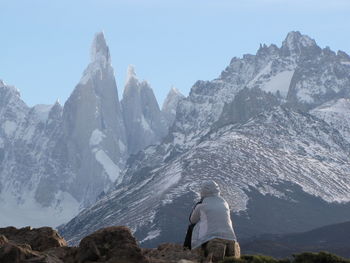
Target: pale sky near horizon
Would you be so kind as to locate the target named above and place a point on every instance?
(45, 45)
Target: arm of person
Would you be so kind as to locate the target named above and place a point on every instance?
(195, 216)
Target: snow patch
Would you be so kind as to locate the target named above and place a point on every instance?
(122, 146)
(145, 124)
(279, 82)
(304, 95)
(151, 235)
(345, 63)
(109, 166)
(266, 70)
(97, 137)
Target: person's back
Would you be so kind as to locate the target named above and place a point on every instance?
(213, 230)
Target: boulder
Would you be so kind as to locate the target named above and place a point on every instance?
(39, 239)
(13, 253)
(113, 244)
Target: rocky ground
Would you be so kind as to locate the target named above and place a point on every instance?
(111, 244)
(114, 245)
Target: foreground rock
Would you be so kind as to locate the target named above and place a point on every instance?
(38, 239)
(32, 245)
(110, 245)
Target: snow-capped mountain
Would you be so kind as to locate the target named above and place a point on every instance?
(93, 127)
(54, 160)
(32, 177)
(143, 119)
(279, 167)
(299, 72)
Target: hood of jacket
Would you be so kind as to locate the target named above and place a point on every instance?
(210, 188)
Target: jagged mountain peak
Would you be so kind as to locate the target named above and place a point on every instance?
(130, 72)
(174, 91)
(100, 60)
(133, 86)
(142, 117)
(173, 96)
(295, 41)
(170, 104)
(131, 83)
(99, 48)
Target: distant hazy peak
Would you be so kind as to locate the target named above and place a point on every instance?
(174, 91)
(132, 83)
(99, 48)
(131, 74)
(100, 59)
(172, 98)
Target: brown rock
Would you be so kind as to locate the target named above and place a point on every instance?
(113, 245)
(12, 253)
(38, 239)
(171, 253)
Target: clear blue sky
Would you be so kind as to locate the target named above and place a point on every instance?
(45, 45)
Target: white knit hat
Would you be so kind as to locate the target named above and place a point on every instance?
(210, 188)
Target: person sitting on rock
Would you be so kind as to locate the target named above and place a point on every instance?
(213, 229)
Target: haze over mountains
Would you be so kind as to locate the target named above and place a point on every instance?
(272, 130)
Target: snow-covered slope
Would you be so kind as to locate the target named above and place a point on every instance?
(337, 114)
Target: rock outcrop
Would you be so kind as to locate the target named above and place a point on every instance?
(111, 244)
(31, 245)
(39, 239)
(114, 244)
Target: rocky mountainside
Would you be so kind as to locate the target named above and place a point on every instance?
(54, 160)
(256, 132)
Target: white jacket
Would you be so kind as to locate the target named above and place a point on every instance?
(212, 217)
